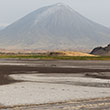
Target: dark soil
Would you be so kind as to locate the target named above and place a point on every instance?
(7, 70)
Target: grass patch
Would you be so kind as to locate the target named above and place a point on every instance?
(46, 57)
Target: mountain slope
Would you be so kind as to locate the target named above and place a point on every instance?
(55, 27)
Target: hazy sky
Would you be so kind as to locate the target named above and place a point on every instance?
(96, 10)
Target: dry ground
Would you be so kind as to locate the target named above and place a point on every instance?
(99, 69)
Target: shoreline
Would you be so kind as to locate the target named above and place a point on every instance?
(11, 69)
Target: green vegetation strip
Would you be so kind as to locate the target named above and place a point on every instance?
(56, 57)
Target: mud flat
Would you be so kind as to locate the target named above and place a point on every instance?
(28, 82)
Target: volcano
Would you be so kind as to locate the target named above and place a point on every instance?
(55, 27)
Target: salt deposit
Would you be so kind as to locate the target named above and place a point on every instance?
(34, 92)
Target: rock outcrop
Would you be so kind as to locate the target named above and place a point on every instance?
(103, 51)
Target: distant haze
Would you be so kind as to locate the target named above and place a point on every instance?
(96, 10)
(2, 27)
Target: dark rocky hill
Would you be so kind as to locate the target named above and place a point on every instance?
(103, 51)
